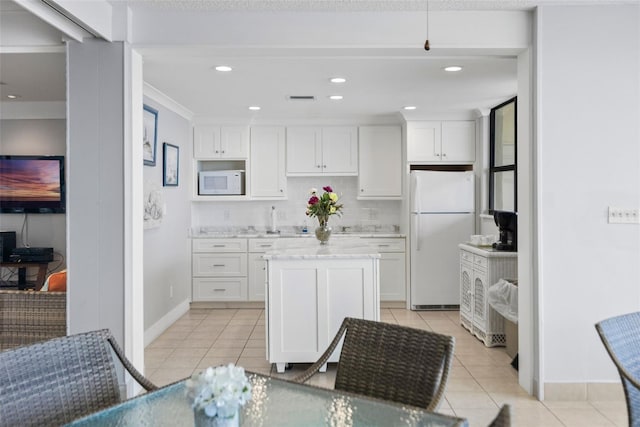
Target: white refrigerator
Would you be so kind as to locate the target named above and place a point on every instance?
(442, 216)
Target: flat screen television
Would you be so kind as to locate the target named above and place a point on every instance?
(32, 184)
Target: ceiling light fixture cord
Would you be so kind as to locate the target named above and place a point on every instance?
(426, 43)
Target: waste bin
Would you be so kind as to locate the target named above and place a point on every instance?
(503, 298)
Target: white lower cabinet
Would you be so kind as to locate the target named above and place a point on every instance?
(258, 267)
(479, 269)
(393, 277)
(219, 269)
(307, 300)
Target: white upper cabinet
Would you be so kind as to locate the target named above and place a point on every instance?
(446, 141)
(268, 173)
(380, 158)
(322, 150)
(220, 142)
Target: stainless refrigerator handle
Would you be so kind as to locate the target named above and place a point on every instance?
(417, 235)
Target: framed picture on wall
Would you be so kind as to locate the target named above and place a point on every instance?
(170, 165)
(149, 135)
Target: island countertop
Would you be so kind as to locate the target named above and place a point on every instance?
(312, 249)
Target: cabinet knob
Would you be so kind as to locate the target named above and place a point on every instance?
(324, 166)
(362, 190)
(443, 154)
(217, 151)
(318, 166)
(281, 190)
(437, 155)
(222, 151)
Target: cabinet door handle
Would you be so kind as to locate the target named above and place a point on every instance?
(219, 290)
(218, 246)
(218, 265)
(265, 246)
(384, 246)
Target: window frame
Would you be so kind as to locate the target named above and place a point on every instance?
(493, 169)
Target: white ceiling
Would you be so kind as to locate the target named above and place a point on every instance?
(377, 85)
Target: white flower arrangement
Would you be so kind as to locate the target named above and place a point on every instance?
(219, 391)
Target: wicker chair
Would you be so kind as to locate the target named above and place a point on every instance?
(57, 381)
(390, 362)
(621, 337)
(503, 419)
(27, 317)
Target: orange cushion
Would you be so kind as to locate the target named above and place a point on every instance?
(58, 282)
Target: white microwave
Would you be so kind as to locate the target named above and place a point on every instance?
(221, 182)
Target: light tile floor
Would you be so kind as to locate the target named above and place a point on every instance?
(481, 380)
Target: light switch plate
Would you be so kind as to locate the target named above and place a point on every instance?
(624, 216)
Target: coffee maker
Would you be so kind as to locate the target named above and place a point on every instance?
(507, 223)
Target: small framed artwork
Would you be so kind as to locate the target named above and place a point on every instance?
(149, 135)
(170, 165)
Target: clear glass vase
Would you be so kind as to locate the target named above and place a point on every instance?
(323, 232)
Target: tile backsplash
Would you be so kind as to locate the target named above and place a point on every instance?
(291, 212)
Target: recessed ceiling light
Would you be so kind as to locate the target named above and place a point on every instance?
(223, 68)
(254, 108)
(336, 97)
(13, 96)
(338, 80)
(453, 68)
(410, 107)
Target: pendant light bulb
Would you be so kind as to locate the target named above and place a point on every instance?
(426, 43)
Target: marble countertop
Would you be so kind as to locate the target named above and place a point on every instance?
(312, 249)
(486, 251)
(291, 232)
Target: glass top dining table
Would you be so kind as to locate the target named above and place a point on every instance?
(274, 402)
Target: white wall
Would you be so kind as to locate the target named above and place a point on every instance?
(588, 99)
(167, 254)
(36, 137)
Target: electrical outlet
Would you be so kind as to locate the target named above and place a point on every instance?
(624, 216)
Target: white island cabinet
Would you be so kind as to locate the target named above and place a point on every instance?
(310, 290)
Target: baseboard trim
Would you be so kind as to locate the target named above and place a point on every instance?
(230, 304)
(167, 320)
(584, 391)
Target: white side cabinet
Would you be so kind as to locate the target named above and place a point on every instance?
(219, 269)
(307, 300)
(441, 141)
(220, 142)
(479, 269)
(268, 177)
(322, 150)
(380, 162)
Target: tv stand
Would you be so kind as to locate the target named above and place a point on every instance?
(22, 283)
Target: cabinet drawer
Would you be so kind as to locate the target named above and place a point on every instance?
(261, 245)
(220, 264)
(386, 245)
(215, 289)
(466, 257)
(480, 261)
(219, 245)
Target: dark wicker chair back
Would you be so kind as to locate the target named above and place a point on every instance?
(621, 337)
(390, 362)
(57, 381)
(503, 419)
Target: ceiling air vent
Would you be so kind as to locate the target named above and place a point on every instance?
(302, 98)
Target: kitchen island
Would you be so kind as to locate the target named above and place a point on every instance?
(311, 288)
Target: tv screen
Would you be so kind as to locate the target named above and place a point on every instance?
(32, 184)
